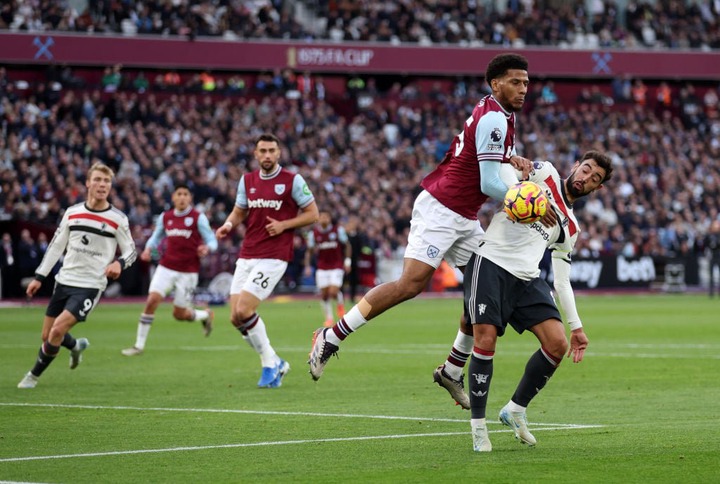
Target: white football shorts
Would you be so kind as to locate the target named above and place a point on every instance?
(329, 277)
(164, 280)
(257, 276)
(438, 233)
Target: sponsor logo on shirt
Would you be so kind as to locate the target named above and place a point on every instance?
(179, 233)
(327, 245)
(541, 230)
(262, 203)
(90, 252)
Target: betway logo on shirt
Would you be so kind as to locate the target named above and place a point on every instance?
(330, 244)
(262, 203)
(179, 233)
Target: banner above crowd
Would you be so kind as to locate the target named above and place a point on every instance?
(207, 53)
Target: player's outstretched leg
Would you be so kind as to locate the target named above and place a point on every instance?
(456, 388)
(320, 353)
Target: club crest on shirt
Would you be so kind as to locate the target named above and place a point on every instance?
(188, 221)
(279, 189)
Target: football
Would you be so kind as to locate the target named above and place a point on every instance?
(525, 202)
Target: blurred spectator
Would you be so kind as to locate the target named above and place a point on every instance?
(112, 78)
(548, 94)
(584, 97)
(68, 79)
(141, 83)
(359, 243)
(170, 81)
(28, 255)
(9, 269)
(597, 97)
(664, 97)
(710, 100)
(712, 246)
(691, 110)
(235, 85)
(622, 89)
(294, 273)
(355, 85)
(207, 81)
(639, 92)
(320, 88)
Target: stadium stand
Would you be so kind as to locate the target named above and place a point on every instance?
(577, 24)
(363, 142)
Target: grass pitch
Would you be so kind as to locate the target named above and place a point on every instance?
(642, 407)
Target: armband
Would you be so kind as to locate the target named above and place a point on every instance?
(229, 225)
(348, 261)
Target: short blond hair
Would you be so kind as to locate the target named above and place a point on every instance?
(102, 168)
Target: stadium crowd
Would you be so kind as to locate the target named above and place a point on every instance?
(584, 24)
(370, 163)
(160, 130)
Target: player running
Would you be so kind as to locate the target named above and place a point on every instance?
(88, 235)
(188, 237)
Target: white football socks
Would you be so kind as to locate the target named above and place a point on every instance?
(258, 340)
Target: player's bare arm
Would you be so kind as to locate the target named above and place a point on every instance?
(145, 255)
(578, 344)
(113, 270)
(33, 287)
(347, 263)
(308, 258)
(236, 217)
(203, 250)
(308, 215)
(550, 218)
(521, 164)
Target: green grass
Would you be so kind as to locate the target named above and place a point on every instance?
(644, 402)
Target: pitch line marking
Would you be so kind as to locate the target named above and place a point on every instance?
(259, 444)
(535, 427)
(273, 412)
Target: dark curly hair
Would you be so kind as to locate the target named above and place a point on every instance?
(602, 160)
(501, 63)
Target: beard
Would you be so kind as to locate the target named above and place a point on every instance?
(572, 190)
